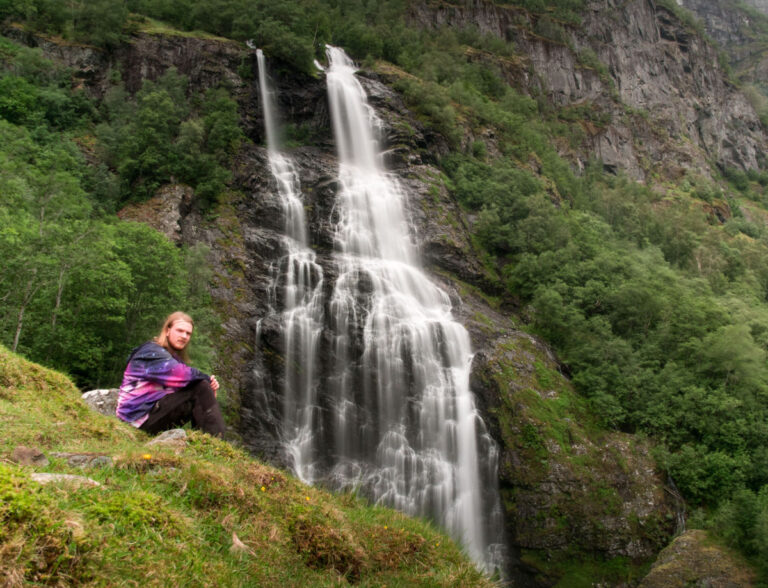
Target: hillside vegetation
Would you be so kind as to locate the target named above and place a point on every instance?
(202, 514)
(654, 296)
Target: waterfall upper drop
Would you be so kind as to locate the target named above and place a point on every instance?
(386, 407)
(406, 426)
(296, 294)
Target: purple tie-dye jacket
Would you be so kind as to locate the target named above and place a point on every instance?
(152, 372)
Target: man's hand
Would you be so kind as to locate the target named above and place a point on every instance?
(214, 385)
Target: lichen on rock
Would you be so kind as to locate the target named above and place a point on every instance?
(692, 559)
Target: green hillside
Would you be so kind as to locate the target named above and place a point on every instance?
(205, 514)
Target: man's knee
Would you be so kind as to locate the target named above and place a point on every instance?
(203, 393)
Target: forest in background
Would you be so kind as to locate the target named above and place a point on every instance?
(658, 308)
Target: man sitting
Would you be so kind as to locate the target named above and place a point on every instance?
(160, 391)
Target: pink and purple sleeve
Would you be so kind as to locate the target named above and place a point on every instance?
(147, 379)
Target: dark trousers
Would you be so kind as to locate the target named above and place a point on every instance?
(196, 403)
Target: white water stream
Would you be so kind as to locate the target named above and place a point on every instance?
(398, 419)
(297, 293)
(414, 418)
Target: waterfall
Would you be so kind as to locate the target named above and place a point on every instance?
(296, 294)
(389, 412)
(406, 428)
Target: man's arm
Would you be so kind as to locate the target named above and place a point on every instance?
(157, 365)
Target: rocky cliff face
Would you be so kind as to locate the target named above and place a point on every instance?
(670, 107)
(723, 22)
(739, 32)
(610, 505)
(206, 62)
(759, 5)
(568, 488)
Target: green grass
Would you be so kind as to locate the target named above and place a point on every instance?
(581, 571)
(151, 26)
(207, 515)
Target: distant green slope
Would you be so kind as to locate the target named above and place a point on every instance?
(205, 515)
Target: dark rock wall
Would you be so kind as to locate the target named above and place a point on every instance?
(612, 503)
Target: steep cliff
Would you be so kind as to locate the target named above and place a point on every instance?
(740, 32)
(670, 107)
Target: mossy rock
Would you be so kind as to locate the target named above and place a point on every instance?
(692, 559)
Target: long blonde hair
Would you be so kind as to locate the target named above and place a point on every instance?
(162, 338)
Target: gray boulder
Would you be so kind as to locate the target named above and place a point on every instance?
(64, 479)
(102, 401)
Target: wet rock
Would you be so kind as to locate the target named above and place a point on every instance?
(29, 456)
(566, 487)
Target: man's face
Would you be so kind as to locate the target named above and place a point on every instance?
(178, 334)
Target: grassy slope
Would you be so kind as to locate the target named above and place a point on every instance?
(163, 517)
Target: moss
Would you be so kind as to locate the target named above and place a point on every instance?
(693, 559)
(560, 450)
(531, 438)
(544, 376)
(136, 511)
(581, 570)
(323, 545)
(467, 290)
(36, 543)
(484, 320)
(210, 511)
(150, 26)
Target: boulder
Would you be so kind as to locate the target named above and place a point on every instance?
(692, 559)
(85, 460)
(174, 438)
(102, 401)
(161, 212)
(29, 456)
(64, 480)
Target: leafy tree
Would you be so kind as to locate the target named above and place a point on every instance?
(79, 289)
(223, 134)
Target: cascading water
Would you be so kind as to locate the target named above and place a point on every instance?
(390, 411)
(406, 429)
(297, 295)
